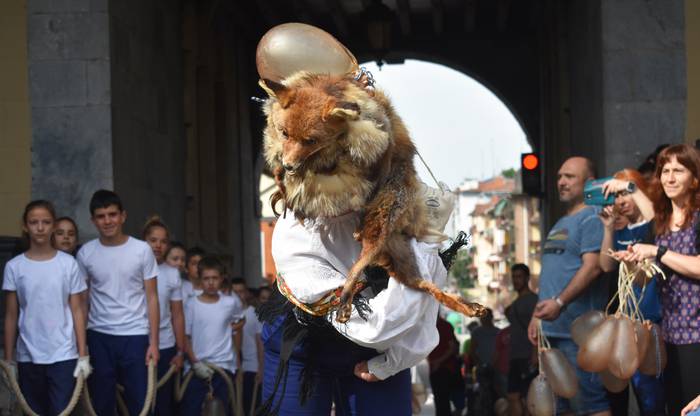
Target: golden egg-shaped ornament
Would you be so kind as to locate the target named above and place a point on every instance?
(560, 373)
(540, 398)
(583, 326)
(292, 47)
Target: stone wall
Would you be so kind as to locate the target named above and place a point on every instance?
(69, 73)
(644, 78)
(147, 111)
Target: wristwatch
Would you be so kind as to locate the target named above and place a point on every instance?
(631, 187)
(560, 302)
(660, 251)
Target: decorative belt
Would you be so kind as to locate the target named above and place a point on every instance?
(327, 303)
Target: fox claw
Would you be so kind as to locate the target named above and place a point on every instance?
(343, 314)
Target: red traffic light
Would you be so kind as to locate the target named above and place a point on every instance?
(530, 162)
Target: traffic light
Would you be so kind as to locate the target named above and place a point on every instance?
(530, 173)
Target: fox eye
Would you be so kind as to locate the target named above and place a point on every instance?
(310, 141)
(285, 135)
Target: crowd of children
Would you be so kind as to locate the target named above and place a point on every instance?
(119, 305)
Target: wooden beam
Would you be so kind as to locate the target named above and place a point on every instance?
(335, 8)
(268, 12)
(503, 13)
(438, 21)
(301, 10)
(470, 15)
(404, 9)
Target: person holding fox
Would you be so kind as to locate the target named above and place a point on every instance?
(337, 329)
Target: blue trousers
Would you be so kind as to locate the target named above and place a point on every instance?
(197, 390)
(165, 400)
(248, 387)
(47, 387)
(122, 359)
(334, 381)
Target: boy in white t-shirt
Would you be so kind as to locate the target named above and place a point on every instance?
(251, 348)
(123, 319)
(209, 320)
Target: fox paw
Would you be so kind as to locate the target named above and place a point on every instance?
(343, 313)
(473, 309)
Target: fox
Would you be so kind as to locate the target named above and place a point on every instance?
(335, 146)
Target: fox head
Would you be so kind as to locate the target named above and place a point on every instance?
(323, 134)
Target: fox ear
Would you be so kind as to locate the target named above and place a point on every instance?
(277, 91)
(345, 110)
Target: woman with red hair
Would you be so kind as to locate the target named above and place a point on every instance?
(634, 208)
(677, 249)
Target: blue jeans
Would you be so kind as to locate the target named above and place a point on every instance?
(650, 394)
(334, 381)
(248, 387)
(193, 399)
(117, 358)
(591, 397)
(165, 400)
(47, 387)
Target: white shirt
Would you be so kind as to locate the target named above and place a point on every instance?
(116, 276)
(249, 347)
(188, 290)
(169, 290)
(209, 327)
(314, 257)
(46, 331)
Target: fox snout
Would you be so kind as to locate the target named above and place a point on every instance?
(290, 167)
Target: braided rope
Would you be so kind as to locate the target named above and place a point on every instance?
(14, 386)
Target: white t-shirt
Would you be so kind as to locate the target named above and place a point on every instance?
(249, 348)
(209, 327)
(169, 290)
(188, 290)
(314, 257)
(116, 276)
(46, 332)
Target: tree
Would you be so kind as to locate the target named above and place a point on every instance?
(460, 269)
(508, 173)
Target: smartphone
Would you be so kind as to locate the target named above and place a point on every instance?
(593, 193)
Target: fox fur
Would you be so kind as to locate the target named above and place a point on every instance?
(335, 147)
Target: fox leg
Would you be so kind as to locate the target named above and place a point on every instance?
(405, 269)
(368, 255)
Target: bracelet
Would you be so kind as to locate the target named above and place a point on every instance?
(660, 251)
(559, 302)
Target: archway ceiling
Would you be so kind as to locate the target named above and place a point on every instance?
(494, 41)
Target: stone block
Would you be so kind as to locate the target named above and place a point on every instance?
(57, 6)
(643, 24)
(68, 36)
(98, 82)
(57, 83)
(632, 75)
(71, 157)
(639, 127)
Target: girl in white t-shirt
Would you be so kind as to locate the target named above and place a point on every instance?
(172, 317)
(44, 317)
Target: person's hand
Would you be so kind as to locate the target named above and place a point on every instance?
(237, 326)
(532, 330)
(614, 186)
(178, 360)
(693, 405)
(607, 216)
(202, 370)
(153, 353)
(639, 252)
(13, 371)
(362, 371)
(547, 309)
(83, 367)
(258, 377)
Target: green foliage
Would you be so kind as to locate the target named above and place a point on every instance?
(509, 173)
(461, 270)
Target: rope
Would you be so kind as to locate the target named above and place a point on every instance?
(229, 385)
(428, 168)
(79, 383)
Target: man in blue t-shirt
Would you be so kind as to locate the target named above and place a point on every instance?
(568, 286)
